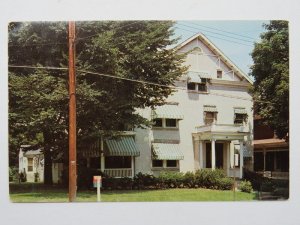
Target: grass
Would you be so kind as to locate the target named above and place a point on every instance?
(41, 193)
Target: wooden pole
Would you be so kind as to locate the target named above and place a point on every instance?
(72, 115)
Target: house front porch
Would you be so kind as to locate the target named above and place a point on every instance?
(115, 157)
(221, 146)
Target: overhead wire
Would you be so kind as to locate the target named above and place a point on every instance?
(209, 35)
(224, 35)
(127, 79)
(213, 28)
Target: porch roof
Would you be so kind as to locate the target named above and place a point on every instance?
(122, 146)
(164, 151)
(167, 112)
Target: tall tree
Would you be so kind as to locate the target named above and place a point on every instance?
(271, 73)
(38, 107)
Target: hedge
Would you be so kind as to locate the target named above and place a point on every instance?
(204, 178)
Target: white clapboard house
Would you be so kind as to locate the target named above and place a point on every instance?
(206, 123)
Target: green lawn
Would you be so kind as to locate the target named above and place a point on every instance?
(40, 193)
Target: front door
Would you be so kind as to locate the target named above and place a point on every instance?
(219, 155)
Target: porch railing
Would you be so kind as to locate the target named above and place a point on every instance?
(119, 172)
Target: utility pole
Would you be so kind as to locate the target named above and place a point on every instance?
(72, 115)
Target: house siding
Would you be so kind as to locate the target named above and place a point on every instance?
(224, 97)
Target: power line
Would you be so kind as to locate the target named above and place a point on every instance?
(214, 33)
(212, 28)
(129, 79)
(38, 44)
(215, 37)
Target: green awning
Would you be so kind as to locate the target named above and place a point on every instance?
(121, 146)
(163, 151)
(193, 77)
(196, 76)
(240, 110)
(210, 108)
(168, 112)
(204, 75)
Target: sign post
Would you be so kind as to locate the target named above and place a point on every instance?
(97, 182)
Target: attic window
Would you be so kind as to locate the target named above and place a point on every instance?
(219, 74)
(197, 50)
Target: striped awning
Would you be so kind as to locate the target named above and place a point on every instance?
(164, 151)
(210, 108)
(196, 76)
(121, 146)
(240, 110)
(168, 112)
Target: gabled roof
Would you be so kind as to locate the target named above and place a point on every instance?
(218, 52)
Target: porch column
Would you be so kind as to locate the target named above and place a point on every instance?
(241, 159)
(213, 154)
(132, 166)
(228, 164)
(264, 153)
(102, 162)
(200, 155)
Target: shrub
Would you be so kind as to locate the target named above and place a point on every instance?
(13, 174)
(171, 179)
(267, 186)
(36, 177)
(246, 186)
(225, 183)
(85, 177)
(208, 178)
(141, 181)
(22, 176)
(189, 179)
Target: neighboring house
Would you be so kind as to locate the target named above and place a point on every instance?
(206, 123)
(271, 154)
(31, 164)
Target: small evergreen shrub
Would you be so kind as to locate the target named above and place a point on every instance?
(144, 181)
(225, 183)
(246, 186)
(207, 178)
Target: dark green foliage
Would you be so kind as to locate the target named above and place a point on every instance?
(171, 179)
(267, 186)
(23, 177)
(271, 73)
(38, 98)
(13, 174)
(145, 181)
(245, 186)
(208, 178)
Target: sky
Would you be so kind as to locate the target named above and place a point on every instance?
(234, 38)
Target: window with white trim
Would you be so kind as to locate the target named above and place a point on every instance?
(30, 164)
(165, 123)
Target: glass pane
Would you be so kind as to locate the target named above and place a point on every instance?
(170, 122)
(157, 123)
(157, 163)
(191, 86)
(171, 163)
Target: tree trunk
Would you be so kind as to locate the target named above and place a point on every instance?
(47, 160)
